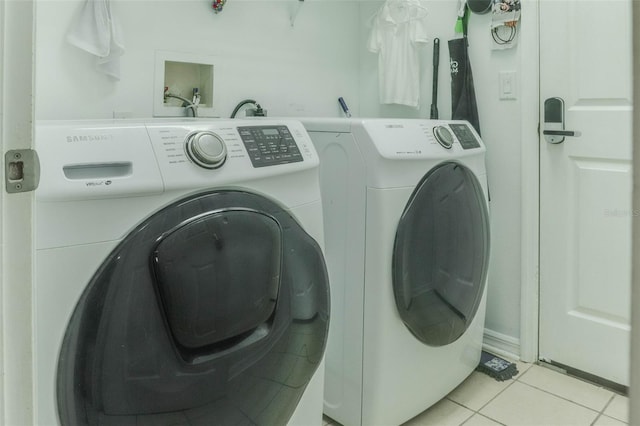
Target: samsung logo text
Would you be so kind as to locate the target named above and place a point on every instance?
(89, 138)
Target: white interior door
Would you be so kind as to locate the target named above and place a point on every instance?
(585, 187)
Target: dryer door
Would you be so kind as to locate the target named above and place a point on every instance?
(441, 254)
(212, 311)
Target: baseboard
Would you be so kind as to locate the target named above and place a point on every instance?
(501, 344)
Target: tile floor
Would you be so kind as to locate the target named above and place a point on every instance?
(536, 396)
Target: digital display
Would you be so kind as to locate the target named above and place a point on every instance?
(270, 132)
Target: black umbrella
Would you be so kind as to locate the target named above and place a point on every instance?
(463, 94)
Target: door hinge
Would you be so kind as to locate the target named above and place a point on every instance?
(21, 170)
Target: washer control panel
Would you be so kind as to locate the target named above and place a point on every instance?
(101, 159)
(269, 145)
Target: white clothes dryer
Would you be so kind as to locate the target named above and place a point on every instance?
(180, 277)
(407, 249)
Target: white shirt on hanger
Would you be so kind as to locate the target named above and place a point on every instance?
(398, 30)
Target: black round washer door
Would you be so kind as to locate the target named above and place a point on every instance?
(441, 255)
(212, 311)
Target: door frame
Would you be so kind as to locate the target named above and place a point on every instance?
(530, 182)
(17, 46)
(634, 406)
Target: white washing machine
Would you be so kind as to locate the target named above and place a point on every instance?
(180, 277)
(407, 248)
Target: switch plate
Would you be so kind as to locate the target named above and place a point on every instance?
(507, 85)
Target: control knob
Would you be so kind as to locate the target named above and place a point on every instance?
(443, 136)
(206, 149)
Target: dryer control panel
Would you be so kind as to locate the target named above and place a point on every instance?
(413, 139)
(465, 136)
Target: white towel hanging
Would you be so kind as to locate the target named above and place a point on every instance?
(95, 31)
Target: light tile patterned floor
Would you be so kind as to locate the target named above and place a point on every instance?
(536, 396)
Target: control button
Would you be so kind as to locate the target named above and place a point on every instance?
(206, 149)
(443, 136)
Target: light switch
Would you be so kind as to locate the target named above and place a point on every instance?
(507, 85)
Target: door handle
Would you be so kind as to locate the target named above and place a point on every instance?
(554, 131)
(561, 133)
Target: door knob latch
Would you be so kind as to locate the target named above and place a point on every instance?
(554, 131)
(22, 170)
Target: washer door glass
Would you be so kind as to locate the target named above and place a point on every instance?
(441, 254)
(212, 311)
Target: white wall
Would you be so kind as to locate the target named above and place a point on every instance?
(297, 71)
(501, 131)
(500, 123)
